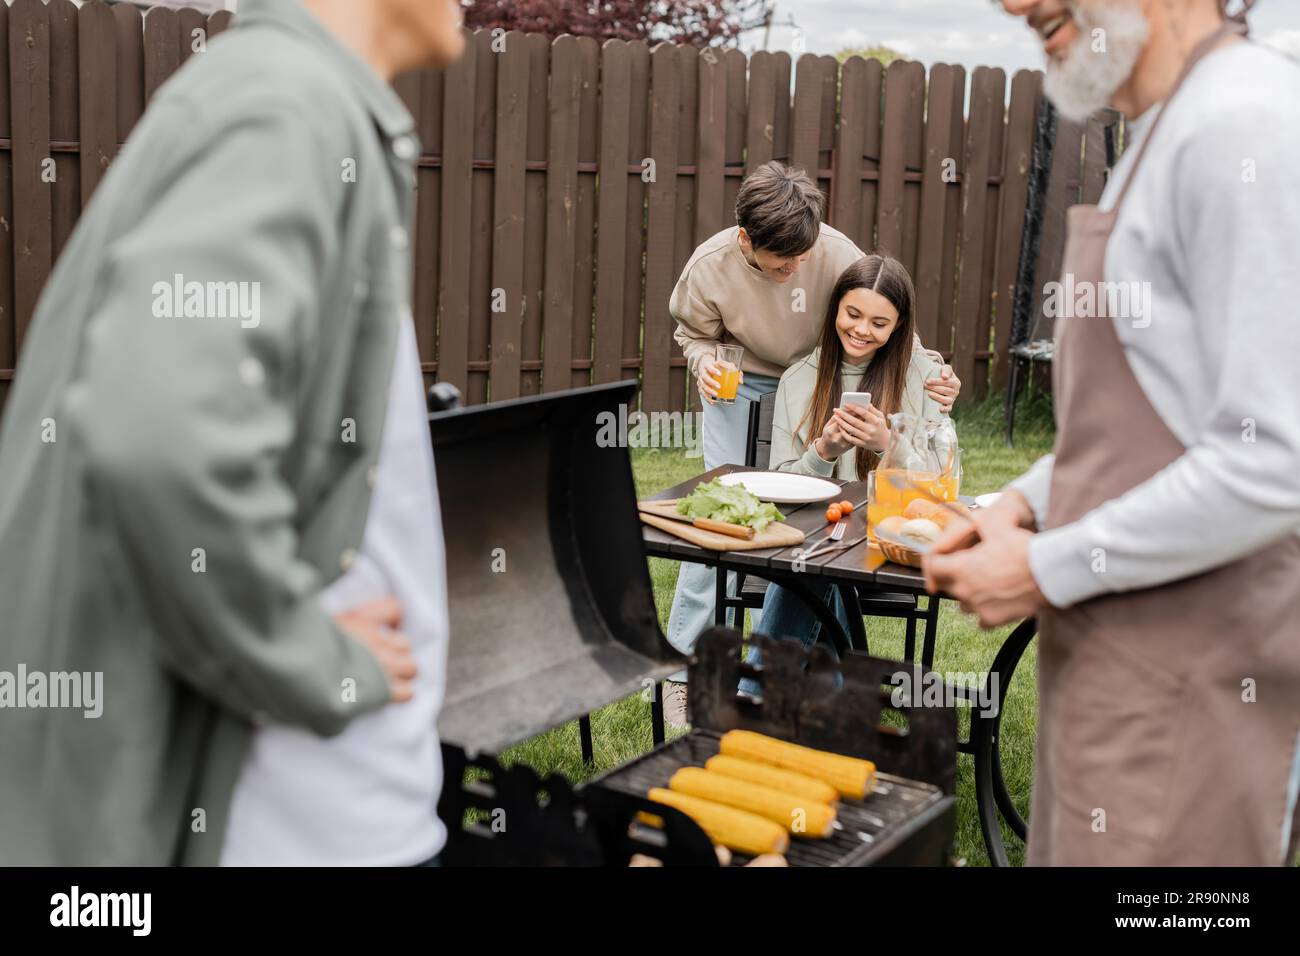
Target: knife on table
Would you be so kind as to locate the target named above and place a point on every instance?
(708, 524)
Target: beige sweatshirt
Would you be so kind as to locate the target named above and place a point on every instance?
(793, 451)
(722, 299)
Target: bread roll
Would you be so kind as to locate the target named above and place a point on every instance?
(891, 524)
(930, 511)
(921, 529)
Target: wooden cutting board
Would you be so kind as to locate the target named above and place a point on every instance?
(778, 534)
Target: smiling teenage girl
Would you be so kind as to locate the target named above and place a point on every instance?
(865, 346)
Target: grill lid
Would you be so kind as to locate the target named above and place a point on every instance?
(552, 613)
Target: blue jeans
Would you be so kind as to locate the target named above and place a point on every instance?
(787, 618)
(725, 429)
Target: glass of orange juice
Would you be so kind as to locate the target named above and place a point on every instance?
(728, 357)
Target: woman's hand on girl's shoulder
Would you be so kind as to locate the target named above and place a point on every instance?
(944, 387)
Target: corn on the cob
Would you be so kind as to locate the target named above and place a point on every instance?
(766, 775)
(650, 820)
(797, 814)
(849, 775)
(740, 831)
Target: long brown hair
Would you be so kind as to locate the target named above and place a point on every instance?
(885, 376)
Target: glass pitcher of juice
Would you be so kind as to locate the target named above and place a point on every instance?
(918, 463)
(950, 480)
(941, 437)
(729, 357)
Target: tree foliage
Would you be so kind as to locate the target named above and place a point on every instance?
(882, 53)
(701, 22)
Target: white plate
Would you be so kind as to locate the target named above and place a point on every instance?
(989, 500)
(783, 487)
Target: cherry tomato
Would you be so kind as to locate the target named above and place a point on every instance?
(833, 513)
(846, 507)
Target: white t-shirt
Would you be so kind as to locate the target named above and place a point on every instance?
(368, 796)
(1212, 223)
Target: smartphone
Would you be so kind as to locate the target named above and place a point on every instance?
(855, 398)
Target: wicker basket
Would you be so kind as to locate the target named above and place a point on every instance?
(898, 554)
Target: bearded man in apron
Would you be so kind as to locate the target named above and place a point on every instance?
(1158, 543)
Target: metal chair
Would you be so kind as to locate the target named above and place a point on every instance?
(1027, 345)
(914, 609)
(1055, 184)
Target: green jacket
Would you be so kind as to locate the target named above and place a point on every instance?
(176, 491)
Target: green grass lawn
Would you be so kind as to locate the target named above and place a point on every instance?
(621, 731)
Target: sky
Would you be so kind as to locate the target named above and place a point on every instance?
(970, 32)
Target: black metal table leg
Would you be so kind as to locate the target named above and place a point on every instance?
(794, 583)
(1006, 806)
(825, 616)
(584, 732)
(721, 613)
(931, 635)
(657, 713)
(991, 794)
(857, 630)
(1013, 652)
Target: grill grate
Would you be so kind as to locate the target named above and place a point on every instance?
(864, 824)
(840, 706)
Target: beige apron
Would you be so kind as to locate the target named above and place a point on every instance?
(1147, 751)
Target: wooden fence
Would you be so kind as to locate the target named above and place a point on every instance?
(534, 187)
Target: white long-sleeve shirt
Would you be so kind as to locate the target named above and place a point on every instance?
(1213, 224)
(368, 796)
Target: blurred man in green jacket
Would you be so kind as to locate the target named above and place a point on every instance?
(216, 425)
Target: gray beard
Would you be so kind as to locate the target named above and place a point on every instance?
(1084, 82)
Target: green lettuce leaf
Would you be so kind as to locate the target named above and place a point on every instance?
(731, 503)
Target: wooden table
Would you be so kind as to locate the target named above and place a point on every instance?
(863, 568)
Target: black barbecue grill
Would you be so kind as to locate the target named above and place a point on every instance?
(569, 626)
(868, 831)
(840, 706)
